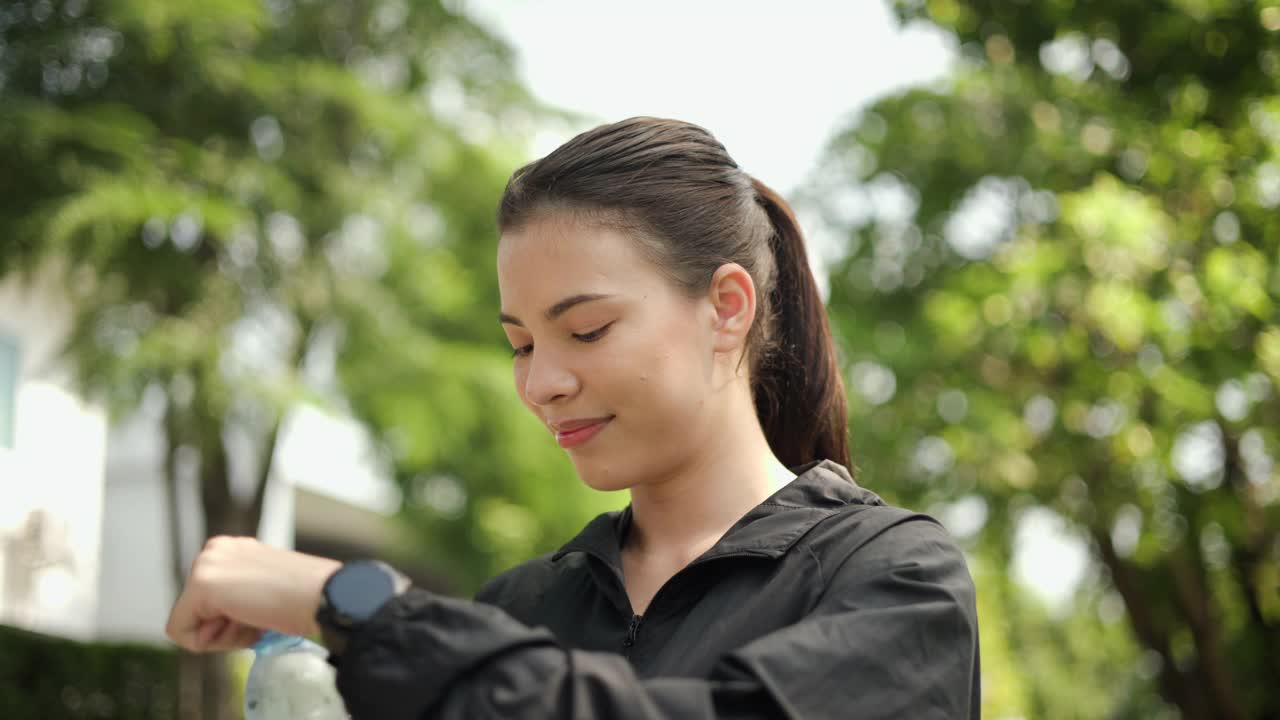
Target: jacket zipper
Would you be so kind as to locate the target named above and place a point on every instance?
(634, 629)
(632, 632)
(617, 574)
(680, 576)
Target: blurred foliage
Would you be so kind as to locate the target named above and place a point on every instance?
(255, 205)
(259, 204)
(47, 678)
(1060, 292)
(1038, 664)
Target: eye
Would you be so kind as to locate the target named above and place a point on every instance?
(594, 335)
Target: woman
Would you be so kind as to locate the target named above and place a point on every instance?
(667, 329)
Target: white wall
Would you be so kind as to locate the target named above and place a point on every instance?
(325, 480)
(99, 566)
(137, 586)
(51, 480)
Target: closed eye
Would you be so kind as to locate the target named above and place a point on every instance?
(592, 336)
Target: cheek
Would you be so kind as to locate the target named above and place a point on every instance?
(682, 348)
(670, 367)
(519, 374)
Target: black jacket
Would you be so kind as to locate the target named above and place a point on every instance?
(822, 602)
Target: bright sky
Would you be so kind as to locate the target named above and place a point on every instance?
(772, 81)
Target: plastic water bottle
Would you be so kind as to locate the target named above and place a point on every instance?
(291, 679)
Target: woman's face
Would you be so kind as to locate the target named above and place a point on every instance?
(601, 338)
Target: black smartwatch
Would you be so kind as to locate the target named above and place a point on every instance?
(352, 595)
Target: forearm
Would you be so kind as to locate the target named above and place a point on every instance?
(429, 656)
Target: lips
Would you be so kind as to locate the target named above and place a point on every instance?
(572, 433)
(565, 426)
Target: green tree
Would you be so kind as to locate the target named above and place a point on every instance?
(1060, 292)
(238, 192)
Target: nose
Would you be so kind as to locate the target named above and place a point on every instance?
(548, 379)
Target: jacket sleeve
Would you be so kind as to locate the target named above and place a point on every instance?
(894, 635)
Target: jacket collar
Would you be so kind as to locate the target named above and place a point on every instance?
(820, 489)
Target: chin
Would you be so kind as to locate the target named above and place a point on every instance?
(602, 476)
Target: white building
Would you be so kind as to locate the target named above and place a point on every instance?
(85, 547)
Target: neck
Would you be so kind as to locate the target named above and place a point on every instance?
(683, 514)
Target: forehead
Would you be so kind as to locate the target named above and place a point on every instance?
(559, 255)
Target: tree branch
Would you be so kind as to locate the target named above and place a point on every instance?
(170, 480)
(254, 514)
(1247, 557)
(254, 517)
(1174, 685)
(1197, 607)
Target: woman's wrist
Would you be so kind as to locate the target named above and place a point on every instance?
(318, 572)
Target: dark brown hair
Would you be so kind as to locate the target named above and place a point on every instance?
(673, 187)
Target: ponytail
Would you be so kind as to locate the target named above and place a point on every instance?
(798, 389)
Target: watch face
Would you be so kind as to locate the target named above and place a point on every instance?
(359, 589)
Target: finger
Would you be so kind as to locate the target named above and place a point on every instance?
(211, 630)
(184, 623)
(235, 636)
(244, 637)
(222, 641)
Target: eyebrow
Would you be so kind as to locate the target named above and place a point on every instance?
(559, 308)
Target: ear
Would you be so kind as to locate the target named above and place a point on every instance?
(733, 298)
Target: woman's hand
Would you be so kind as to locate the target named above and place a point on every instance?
(239, 587)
